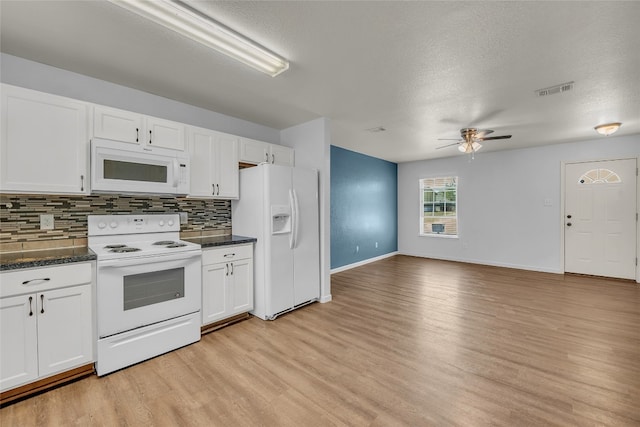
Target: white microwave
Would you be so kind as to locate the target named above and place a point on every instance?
(120, 167)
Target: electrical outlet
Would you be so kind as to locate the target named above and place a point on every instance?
(376, 245)
(46, 222)
(357, 248)
(184, 217)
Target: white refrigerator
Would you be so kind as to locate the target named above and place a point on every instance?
(279, 206)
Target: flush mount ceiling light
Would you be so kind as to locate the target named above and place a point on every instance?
(184, 20)
(608, 128)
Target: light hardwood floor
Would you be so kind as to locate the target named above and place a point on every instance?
(405, 341)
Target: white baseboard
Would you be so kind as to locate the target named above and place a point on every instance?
(490, 263)
(364, 262)
(325, 298)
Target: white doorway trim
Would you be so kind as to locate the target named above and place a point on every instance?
(562, 213)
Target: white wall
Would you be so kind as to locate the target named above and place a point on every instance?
(32, 75)
(502, 219)
(312, 141)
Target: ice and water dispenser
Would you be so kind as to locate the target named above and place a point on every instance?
(280, 219)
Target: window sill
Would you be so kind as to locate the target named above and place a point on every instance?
(440, 236)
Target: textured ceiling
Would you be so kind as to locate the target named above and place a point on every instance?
(422, 70)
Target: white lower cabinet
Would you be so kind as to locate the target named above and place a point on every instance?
(46, 322)
(19, 339)
(227, 282)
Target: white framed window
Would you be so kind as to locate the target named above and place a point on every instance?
(439, 206)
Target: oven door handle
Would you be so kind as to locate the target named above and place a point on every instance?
(148, 260)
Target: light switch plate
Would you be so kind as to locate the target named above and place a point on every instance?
(46, 222)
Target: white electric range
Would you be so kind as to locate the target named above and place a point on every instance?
(148, 287)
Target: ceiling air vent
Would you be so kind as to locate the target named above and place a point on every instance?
(564, 87)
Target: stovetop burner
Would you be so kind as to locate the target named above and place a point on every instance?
(176, 245)
(164, 242)
(115, 246)
(124, 249)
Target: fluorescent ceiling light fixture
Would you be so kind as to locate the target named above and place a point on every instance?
(179, 17)
(469, 147)
(608, 128)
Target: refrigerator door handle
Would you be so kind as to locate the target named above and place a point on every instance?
(296, 222)
(293, 220)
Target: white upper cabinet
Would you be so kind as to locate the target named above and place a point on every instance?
(135, 128)
(44, 142)
(164, 133)
(214, 163)
(281, 155)
(118, 125)
(255, 152)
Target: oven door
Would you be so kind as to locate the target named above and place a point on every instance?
(136, 292)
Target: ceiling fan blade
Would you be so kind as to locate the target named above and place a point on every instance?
(448, 145)
(483, 132)
(494, 137)
(450, 139)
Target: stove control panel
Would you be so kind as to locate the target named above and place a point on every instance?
(102, 225)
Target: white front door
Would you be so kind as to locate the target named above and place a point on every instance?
(600, 218)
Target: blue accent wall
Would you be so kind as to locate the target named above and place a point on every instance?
(364, 207)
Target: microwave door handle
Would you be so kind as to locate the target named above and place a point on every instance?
(176, 172)
(116, 263)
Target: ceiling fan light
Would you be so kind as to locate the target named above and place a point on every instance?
(608, 128)
(469, 147)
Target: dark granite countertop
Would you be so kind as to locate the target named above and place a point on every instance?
(41, 258)
(212, 241)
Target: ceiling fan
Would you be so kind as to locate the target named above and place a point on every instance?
(470, 137)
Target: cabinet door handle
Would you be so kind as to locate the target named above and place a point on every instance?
(231, 268)
(30, 307)
(81, 182)
(273, 158)
(267, 157)
(44, 279)
(229, 255)
(42, 303)
(226, 269)
(137, 134)
(218, 189)
(149, 137)
(213, 189)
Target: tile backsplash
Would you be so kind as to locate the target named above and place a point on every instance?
(20, 214)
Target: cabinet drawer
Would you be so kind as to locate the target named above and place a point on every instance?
(44, 278)
(226, 254)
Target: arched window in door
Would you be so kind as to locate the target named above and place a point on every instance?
(600, 176)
